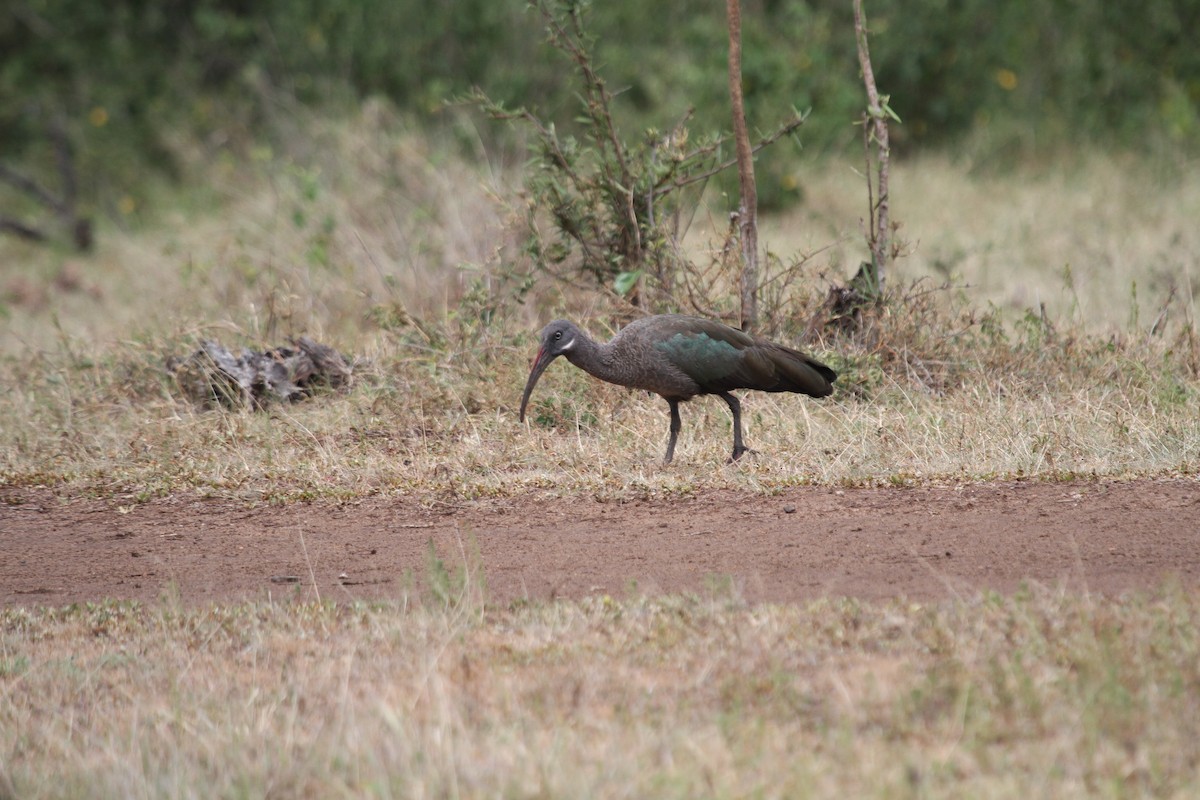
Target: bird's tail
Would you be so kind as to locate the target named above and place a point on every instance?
(798, 372)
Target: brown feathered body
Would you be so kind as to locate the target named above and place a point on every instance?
(680, 357)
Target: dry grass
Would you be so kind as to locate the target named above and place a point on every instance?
(583, 437)
(1075, 235)
(390, 248)
(1037, 695)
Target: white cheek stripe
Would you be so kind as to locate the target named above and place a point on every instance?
(569, 345)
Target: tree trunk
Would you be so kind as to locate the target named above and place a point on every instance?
(875, 130)
(748, 209)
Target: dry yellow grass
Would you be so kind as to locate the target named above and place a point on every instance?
(389, 248)
(392, 249)
(375, 241)
(1075, 235)
(1037, 695)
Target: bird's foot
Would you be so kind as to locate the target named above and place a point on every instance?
(738, 452)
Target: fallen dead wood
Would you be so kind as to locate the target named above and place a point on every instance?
(212, 376)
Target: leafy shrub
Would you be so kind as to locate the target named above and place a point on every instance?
(130, 75)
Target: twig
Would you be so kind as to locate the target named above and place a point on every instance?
(783, 130)
(747, 214)
(31, 188)
(65, 206)
(875, 130)
(308, 563)
(21, 229)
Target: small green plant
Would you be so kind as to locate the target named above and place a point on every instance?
(616, 209)
(13, 666)
(458, 588)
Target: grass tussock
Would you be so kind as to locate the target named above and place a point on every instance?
(398, 251)
(1039, 694)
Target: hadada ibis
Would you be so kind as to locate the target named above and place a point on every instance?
(680, 357)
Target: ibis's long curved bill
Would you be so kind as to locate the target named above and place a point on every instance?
(544, 357)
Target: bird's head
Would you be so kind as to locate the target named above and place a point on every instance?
(558, 338)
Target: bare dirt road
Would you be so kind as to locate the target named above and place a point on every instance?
(921, 543)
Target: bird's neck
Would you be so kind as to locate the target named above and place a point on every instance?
(594, 358)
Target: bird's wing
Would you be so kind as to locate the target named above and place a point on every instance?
(705, 351)
(720, 358)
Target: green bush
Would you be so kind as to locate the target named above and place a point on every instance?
(127, 75)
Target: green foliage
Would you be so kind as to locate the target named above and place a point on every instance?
(609, 202)
(129, 77)
(615, 206)
(601, 194)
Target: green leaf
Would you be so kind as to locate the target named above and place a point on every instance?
(625, 281)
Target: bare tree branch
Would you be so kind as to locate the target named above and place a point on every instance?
(30, 187)
(64, 206)
(748, 209)
(20, 229)
(783, 130)
(65, 156)
(875, 130)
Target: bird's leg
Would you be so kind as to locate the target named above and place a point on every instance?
(739, 446)
(675, 426)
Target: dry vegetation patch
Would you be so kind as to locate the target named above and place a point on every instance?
(383, 245)
(671, 697)
(1064, 343)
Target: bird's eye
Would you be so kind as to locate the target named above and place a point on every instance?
(557, 335)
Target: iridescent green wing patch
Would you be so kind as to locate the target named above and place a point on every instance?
(701, 357)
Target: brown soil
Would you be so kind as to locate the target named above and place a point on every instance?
(925, 543)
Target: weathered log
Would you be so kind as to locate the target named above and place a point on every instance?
(212, 376)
